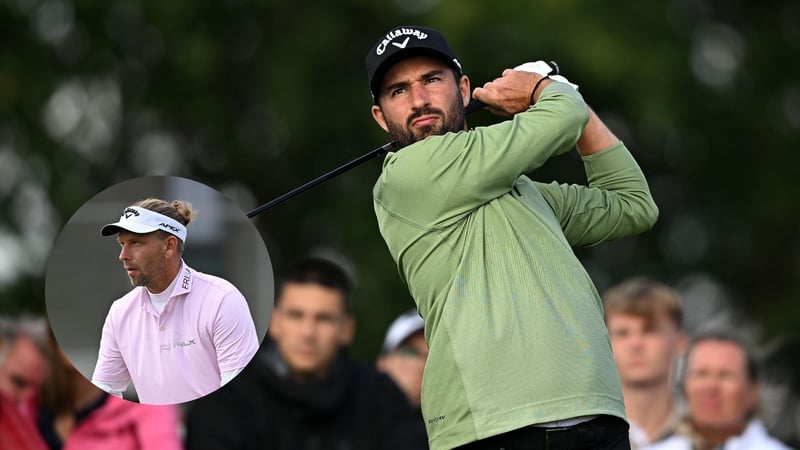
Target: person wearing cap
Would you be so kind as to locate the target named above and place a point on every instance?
(303, 391)
(403, 354)
(519, 353)
(179, 334)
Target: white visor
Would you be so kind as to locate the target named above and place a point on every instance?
(142, 220)
(404, 326)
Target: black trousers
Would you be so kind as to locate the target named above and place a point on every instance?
(601, 433)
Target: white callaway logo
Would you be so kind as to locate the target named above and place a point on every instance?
(403, 45)
(408, 32)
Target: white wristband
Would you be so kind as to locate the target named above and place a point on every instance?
(542, 68)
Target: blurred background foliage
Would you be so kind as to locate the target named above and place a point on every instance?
(255, 98)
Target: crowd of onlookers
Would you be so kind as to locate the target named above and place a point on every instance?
(303, 390)
(710, 401)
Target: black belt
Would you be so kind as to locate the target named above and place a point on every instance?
(600, 431)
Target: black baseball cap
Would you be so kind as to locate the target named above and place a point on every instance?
(402, 42)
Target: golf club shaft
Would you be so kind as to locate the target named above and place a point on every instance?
(474, 105)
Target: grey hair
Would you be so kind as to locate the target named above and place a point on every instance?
(31, 327)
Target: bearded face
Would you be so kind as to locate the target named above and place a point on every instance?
(421, 96)
(428, 121)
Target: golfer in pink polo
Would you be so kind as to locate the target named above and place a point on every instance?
(179, 334)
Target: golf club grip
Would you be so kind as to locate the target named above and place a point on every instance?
(474, 105)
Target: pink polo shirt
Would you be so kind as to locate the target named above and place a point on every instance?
(178, 355)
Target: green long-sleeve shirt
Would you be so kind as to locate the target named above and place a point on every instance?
(513, 321)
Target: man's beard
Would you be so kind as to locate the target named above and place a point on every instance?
(146, 278)
(453, 121)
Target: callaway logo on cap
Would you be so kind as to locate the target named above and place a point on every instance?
(142, 220)
(400, 43)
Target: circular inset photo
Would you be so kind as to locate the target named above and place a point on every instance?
(159, 290)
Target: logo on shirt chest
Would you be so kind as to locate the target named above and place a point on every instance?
(183, 343)
(167, 346)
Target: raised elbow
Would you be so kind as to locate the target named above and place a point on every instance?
(651, 216)
(646, 214)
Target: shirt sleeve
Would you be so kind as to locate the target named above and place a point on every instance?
(110, 373)
(235, 338)
(440, 179)
(616, 203)
(116, 388)
(228, 375)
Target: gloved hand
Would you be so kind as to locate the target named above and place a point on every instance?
(545, 68)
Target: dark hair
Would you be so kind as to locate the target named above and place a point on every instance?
(644, 297)
(321, 272)
(31, 327)
(731, 336)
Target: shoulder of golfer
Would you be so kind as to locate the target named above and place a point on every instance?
(227, 316)
(118, 314)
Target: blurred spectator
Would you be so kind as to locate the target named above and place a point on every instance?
(644, 320)
(404, 353)
(24, 365)
(403, 357)
(302, 391)
(722, 388)
(77, 415)
(23, 368)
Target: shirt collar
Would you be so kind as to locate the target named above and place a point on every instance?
(185, 277)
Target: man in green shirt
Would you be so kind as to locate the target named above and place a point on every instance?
(519, 353)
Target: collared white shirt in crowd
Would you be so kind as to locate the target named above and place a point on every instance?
(754, 437)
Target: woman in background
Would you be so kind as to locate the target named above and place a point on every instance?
(75, 414)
